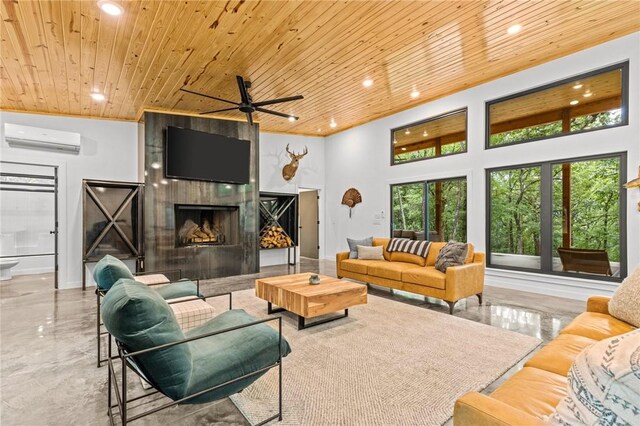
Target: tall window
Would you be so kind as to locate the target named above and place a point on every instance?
(559, 217)
(438, 136)
(439, 206)
(515, 217)
(590, 101)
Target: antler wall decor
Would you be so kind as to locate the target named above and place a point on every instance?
(350, 198)
(289, 171)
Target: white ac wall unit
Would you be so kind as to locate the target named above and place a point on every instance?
(44, 139)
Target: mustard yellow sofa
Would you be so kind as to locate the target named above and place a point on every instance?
(403, 271)
(532, 394)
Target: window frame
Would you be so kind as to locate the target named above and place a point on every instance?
(624, 107)
(546, 216)
(425, 216)
(464, 109)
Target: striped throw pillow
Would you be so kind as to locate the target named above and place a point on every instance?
(405, 245)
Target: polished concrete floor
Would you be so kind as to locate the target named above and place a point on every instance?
(47, 344)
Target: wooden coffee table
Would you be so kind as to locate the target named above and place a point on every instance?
(293, 293)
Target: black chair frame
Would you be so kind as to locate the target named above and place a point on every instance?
(100, 293)
(127, 360)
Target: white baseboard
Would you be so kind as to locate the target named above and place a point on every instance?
(551, 285)
(31, 271)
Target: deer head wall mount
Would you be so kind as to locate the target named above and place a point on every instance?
(289, 171)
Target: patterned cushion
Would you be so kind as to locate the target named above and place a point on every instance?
(353, 246)
(419, 248)
(452, 254)
(625, 302)
(192, 313)
(604, 385)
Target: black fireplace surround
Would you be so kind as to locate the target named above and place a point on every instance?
(229, 244)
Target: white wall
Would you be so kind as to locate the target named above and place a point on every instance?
(359, 157)
(310, 175)
(109, 151)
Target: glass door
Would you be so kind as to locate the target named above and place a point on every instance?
(29, 225)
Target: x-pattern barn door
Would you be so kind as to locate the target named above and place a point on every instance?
(112, 222)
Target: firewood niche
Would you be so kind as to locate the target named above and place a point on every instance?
(278, 220)
(200, 225)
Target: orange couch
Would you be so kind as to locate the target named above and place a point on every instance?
(416, 274)
(532, 394)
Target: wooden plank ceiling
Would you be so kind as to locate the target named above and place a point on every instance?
(55, 53)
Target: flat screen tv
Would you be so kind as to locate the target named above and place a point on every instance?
(195, 155)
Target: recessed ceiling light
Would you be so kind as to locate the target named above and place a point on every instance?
(395, 141)
(577, 86)
(164, 182)
(425, 133)
(174, 180)
(404, 148)
(318, 129)
(110, 7)
(155, 166)
(292, 118)
(367, 82)
(97, 96)
(155, 185)
(228, 186)
(574, 102)
(333, 124)
(514, 29)
(415, 94)
(407, 132)
(587, 94)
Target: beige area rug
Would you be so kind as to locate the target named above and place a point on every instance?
(388, 363)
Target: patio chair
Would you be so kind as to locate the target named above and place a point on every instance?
(110, 269)
(585, 260)
(220, 358)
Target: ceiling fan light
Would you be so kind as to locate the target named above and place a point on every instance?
(292, 118)
(333, 124)
(415, 94)
(367, 82)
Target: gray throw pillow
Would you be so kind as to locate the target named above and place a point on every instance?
(353, 246)
(452, 254)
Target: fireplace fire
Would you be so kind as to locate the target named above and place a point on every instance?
(191, 232)
(199, 225)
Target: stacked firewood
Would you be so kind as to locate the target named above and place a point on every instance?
(275, 237)
(191, 232)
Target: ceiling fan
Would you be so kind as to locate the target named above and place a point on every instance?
(246, 103)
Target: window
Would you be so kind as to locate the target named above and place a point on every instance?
(515, 217)
(442, 204)
(591, 101)
(564, 217)
(445, 134)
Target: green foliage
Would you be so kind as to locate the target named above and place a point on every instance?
(425, 153)
(554, 128)
(409, 204)
(515, 211)
(594, 206)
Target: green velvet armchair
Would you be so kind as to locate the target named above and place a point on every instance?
(210, 362)
(110, 269)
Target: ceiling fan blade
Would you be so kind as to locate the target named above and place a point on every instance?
(277, 101)
(249, 119)
(244, 95)
(269, 111)
(210, 97)
(218, 110)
